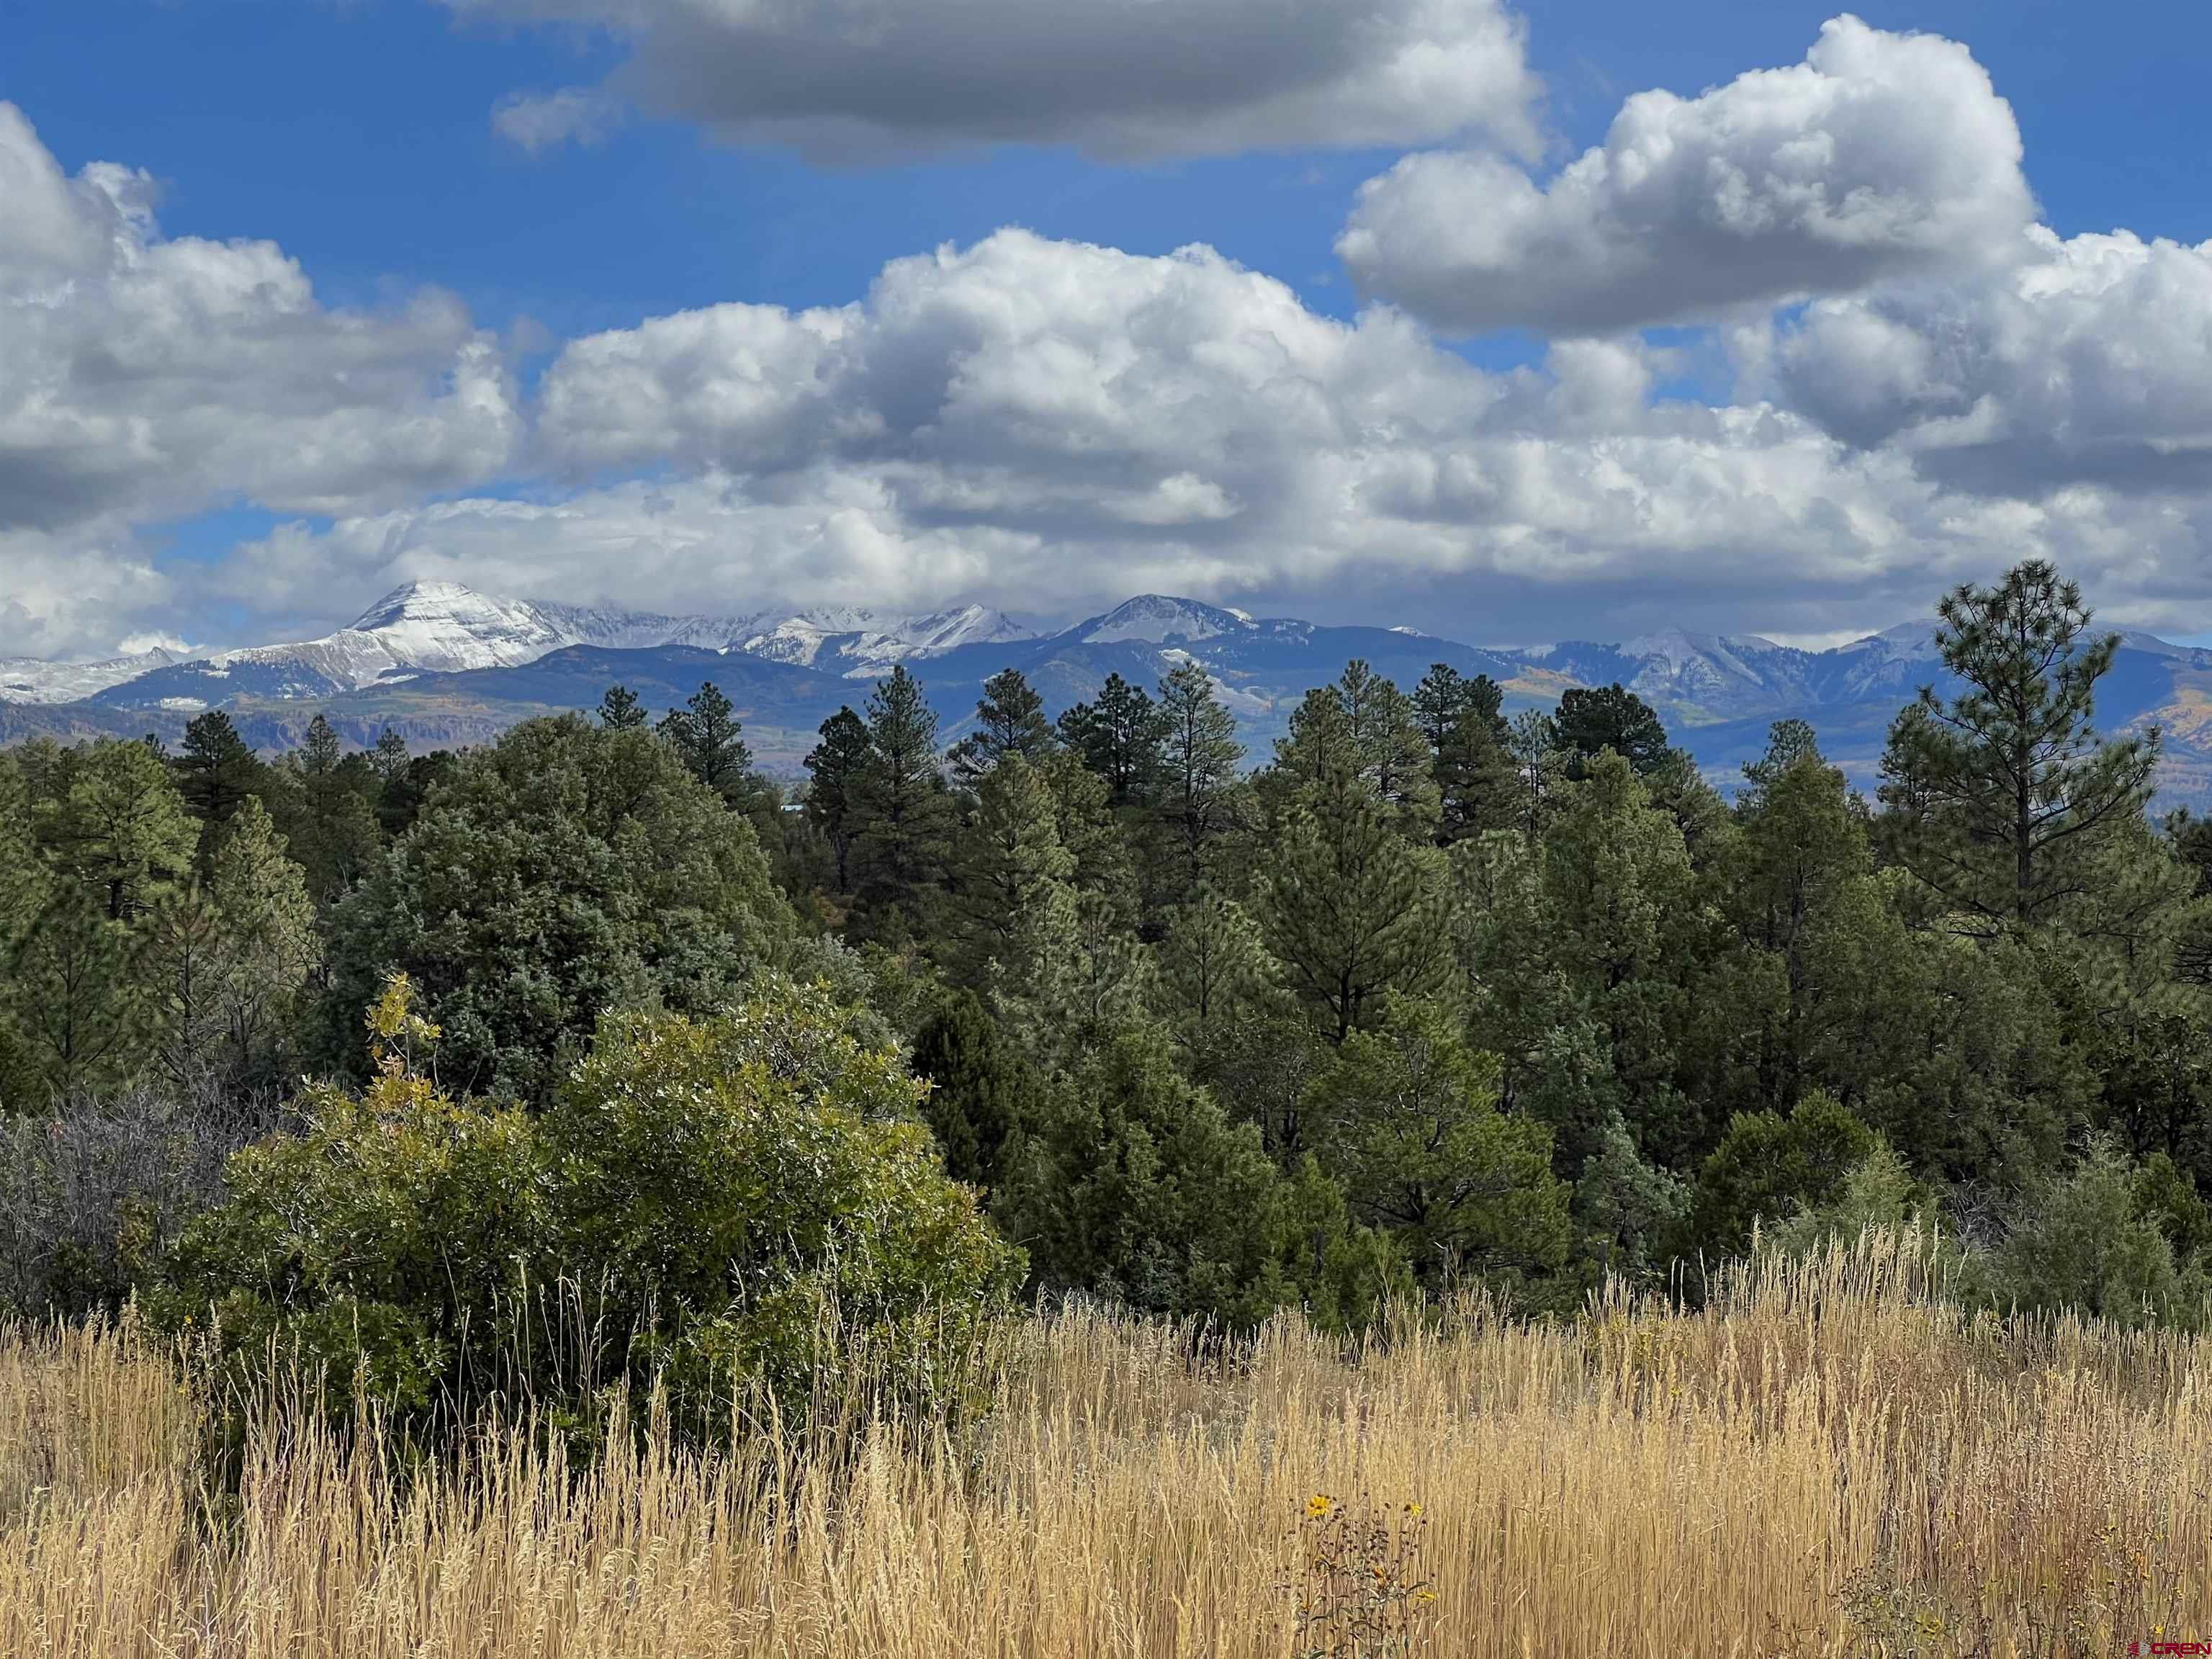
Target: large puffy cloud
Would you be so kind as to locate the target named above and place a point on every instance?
(143, 376)
(1052, 427)
(857, 78)
(74, 595)
(1880, 156)
(2088, 360)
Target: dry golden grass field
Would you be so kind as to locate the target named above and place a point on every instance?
(1821, 1460)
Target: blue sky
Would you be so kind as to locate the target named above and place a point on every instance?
(356, 133)
(357, 136)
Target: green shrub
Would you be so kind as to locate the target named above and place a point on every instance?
(716, 1205)
(1770, 1168)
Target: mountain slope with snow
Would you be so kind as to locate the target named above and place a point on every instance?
(29, 680)
(444, 627)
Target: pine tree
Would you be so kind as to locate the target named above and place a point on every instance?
(1477, 781)
(1120, 737)
(904, 815)
(1201, 755)
(620, 710)
(1009, 856)
(1318, 740)
(2001, 799)
(709, 740)
(1009, 720)
(1394, 757)
(123, 829)
(215, 771)
(1802, 847)
(1532, 742)
(24, 877)
(1090, 979)
(270, 946)
(1214, 970)
(77, 1009)
(1348, 907)
(1593, 719)
(1624, 927)
(323, 809)
(1094, 836)
(835, 764)
(388, 757)
(178, 964)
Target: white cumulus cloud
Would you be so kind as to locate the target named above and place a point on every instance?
(1051, 427)
(2089, 359)
(144, 375)
(1880, 156)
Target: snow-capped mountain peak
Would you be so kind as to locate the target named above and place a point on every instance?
(423, 602)
(862, 643)
(1157, 618)
(443, 626)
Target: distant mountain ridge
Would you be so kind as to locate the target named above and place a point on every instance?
(443, 664)
(444, 627)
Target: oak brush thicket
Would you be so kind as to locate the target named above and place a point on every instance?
(581, 1195)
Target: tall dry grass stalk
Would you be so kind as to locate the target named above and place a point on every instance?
(1821, 1460)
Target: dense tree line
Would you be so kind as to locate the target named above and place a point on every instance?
(1430, 994)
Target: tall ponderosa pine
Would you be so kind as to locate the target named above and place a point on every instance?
(388, 757)
(271, 947)
(905, 815)
(1009, 858)
(325, 813)
(1200, 756)
(1593, 718)
(177, 963)
(1096, 837)
(1364, 723)
(121, 829)
(215, 772)
(709, 740)
(1624, 925)
(22, 873)
(833, 807)
(622, 710)
(1803, 850)
(1348, 906)
(1120, 737)
(1540, 766)
(2003, 797)
(1009, 720)
(79, 1014)
(1394, 757)
(1477, 783)
(1213, 970)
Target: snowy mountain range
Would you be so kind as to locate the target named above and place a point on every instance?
(444, 627)
(443, 664)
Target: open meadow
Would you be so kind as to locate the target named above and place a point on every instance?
(1821, 1460)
